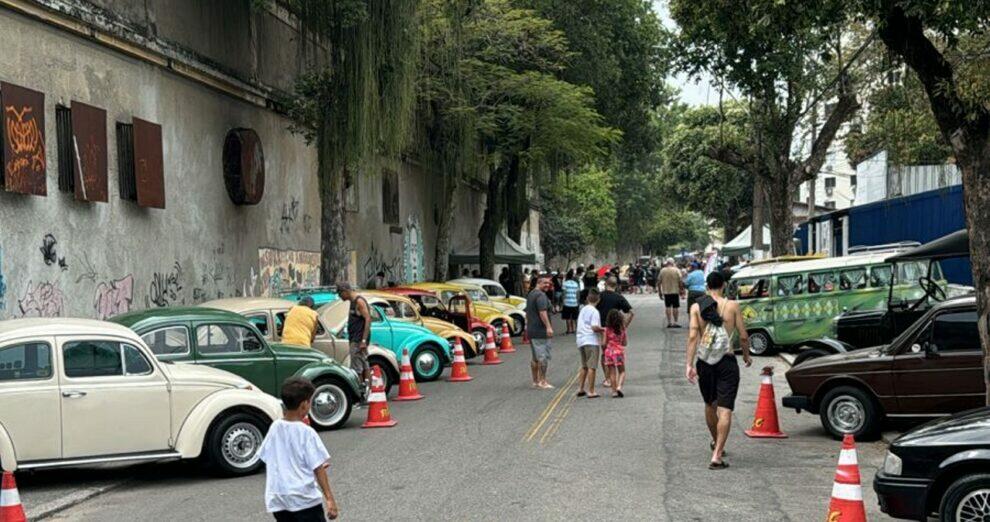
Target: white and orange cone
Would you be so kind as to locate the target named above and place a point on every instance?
(408, 391)
(846, 504)
(506, 346)
(378, 413)
(11, 509)
(491, 352)
(459, 369)
(765, 422)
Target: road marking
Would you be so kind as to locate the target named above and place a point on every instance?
(552, 429)
(535, 428)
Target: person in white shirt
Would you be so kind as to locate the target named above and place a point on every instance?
(589, 344)
(296, 461)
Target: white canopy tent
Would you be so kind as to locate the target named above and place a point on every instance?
(743, 244)
(507, 252)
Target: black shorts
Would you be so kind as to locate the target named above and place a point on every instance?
(719, 383)
(569, 313)
(313, 514)
(672, 300)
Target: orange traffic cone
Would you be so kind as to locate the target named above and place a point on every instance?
(765, 424)
(378, 414)
(491, 352)
(506, 346)
(847, 493)
(525, 337)
(11, 509)
(408, 391)
(458, 369)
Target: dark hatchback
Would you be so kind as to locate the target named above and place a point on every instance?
(941, 468)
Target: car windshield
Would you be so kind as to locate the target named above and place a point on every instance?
(477, 295)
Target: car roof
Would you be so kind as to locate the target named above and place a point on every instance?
(407, 291)
(388, 296)
(438, 286)
(54, 326)
(477, 281)
(961, 301)
(178, 313)
(825, 263)
(244, 304)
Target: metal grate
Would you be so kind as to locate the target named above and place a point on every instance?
(125, 161)
(63, 138)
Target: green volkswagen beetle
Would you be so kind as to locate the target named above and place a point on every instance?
(228, 341)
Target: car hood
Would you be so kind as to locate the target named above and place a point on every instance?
(181, 373)
(296, 352)
(437, 325)
(839, 359)
(968, 427)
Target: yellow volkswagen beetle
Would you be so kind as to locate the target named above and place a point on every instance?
(483, 311)
(478, 295)
(496, 292)
(401, 308)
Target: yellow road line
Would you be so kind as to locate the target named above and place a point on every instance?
(547, 435)
(535, 428)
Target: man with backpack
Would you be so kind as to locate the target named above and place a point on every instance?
(715, 320)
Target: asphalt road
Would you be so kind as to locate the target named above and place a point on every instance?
(494, 448)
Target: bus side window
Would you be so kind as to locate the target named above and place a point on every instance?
(854, 279)
(752, 289)
(880, 276)
(790, 285)
(822, 282)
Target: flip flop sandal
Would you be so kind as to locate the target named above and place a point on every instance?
(594, 396)
(620, 394)
(581, 394)
(718, 465)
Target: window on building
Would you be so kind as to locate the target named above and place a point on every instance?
(63, 138)
(140, 163)
(829, 182)
(390, 197)
(853, 180)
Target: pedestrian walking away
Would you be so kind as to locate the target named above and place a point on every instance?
(358, 330)
(571, 290)
(615, 351)
(610, 300)
(715, 320)
(300, 323)
(671, 287)
(539, 330)
(588, 337)
(695, 284)
(589, 281)
(296, 461)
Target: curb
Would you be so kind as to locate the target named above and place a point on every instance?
(72, 499)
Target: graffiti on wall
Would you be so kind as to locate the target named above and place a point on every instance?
(3, 284)
(290, 211)
(213, 277)
(114, 297)
(44, 299)
(281, 270)
(412, 251)
(165, 287)
(378, 262)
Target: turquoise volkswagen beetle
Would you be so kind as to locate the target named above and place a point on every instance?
(428, 352)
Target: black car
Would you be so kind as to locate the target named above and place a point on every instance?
(942, 467)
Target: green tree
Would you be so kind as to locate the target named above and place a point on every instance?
(578, 212)
(945, 44)
(676, 229)
(719, 191)
(781, 55)
(357, 106)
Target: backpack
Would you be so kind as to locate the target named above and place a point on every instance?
(715, 342)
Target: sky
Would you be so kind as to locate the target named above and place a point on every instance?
(694, 91)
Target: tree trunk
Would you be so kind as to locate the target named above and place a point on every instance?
(781, 205)
(445, 226)
(517, 214)
(333, 240)
(975, 167)
(491, 222)
(759, 215)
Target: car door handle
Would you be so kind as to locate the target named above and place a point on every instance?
(73, 394)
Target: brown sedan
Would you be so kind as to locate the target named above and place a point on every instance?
(934, 368)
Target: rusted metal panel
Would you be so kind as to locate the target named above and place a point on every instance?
(148, 164)
(89, 150)
(244, 167)
(23, 129)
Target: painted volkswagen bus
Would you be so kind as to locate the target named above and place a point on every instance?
(793, 304)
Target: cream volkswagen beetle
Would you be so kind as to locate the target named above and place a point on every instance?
(78, 391)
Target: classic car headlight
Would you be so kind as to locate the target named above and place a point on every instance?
(892, 464)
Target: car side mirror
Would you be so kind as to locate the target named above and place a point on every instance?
(931, 350)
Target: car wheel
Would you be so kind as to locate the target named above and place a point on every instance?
(518, 325)
(427, 363)
(846, 409)
(808, 355)
(233, 444)
(967, 500)
(480, 338)
(386, 370)
(760, 343)
(331, 404)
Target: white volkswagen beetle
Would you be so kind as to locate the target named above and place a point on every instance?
(77, 391)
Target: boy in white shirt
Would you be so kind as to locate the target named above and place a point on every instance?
(296, 484)
(589, 343)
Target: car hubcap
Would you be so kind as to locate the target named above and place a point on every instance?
(758, 344)
(426, 363)
(974, 507)
(329, 405)
(847, 414)
(240, 445)
(517, 326)
(479, 338)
